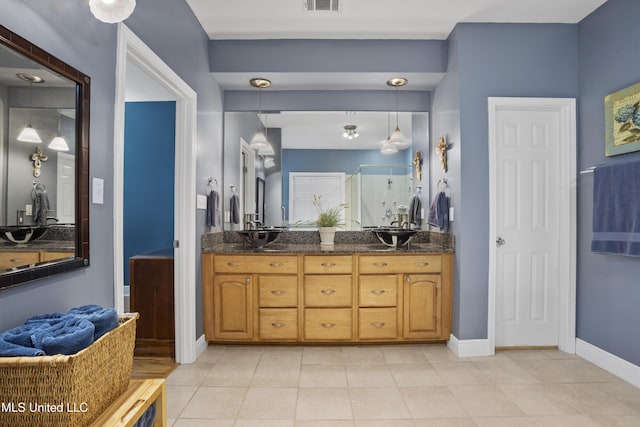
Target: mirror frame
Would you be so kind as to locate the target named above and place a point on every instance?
(83, 100)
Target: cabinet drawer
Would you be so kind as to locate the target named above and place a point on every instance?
(11, 259)
(378, 323)
(327, 323)
(378, 291)
(325, 264)
(400, 264)
(327, 291)
(278, 291)
(255, 264)
(278, 323)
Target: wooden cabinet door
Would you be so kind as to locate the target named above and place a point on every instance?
(422, 306)
(232, 297)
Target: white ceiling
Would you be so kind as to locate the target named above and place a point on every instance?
(374, 19)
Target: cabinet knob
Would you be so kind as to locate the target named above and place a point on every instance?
(278, 292)
(378, 325)
(328, 325)
(278, 325)
(328, 264)
(378, 291)
(328, 291)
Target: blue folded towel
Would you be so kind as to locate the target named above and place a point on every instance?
(17, 341)
(68, 336)
(50, 318)
(103, 319)
(616, 208)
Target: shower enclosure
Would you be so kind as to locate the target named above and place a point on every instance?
(376, 191)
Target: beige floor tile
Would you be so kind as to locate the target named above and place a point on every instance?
(215, 402)
(362, 355)
(524, 354)
(282, 356)
(177, 398)
(378, 404)
(539, 399)
(505, 422)
(192, 374)
(432, 402)
(440, 353)
(323, 404)
(374, 375)
(264, 423)
(212, 354)
(322, 355)
(170, 422)
(485, 401)
(276, 376)
(241, 356)
(506, 372)
(557, 354)
(565, 371)
(324, 423)
(445, 422)
(593, 400)
(269, 403)
(323, 376)
(566, 421)
(618, 420)
(623, 392)
(398, 354)
(384, 423)
(228, 375)
(415, 375)
(460, 373)
(203, 423)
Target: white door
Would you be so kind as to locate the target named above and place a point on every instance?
(303, 186)
(65, 189)
(527, 151)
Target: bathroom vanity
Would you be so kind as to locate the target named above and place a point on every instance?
(350, 293)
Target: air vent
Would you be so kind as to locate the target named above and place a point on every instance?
(322, 5)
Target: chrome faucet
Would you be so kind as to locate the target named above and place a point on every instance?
(251, 221)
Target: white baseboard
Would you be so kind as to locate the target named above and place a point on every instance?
(201, 345)
(609, 362)
(469, 348)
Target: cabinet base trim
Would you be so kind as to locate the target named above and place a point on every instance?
(201, 345)
(609, 362)
(470, 348)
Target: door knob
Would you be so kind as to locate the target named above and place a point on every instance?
(500, 241)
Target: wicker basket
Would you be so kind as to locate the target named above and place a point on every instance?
(33, 390)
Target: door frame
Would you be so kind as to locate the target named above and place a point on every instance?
(132, 49)
(567, 220)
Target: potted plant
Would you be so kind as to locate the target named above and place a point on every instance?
(328, 220)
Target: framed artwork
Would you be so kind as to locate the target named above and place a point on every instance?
(622, 121)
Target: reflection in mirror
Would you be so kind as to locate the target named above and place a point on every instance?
(44, 179)
(376, 186)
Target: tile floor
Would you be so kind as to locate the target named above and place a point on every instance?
(395, 386)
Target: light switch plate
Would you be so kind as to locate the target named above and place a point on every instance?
(201, 201)
(451, 213)
(98, 191)
(28, 210)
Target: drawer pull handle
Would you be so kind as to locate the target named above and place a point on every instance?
(328, 325)
(278, 325)
(378, 291)
(233, 264)
(15, 260)
(422, 264)
(328, 291)
(276, 264)
(328, 264)
(378, 325)
(278, 292)
(380, 264)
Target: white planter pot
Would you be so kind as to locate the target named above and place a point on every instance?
(327, 235)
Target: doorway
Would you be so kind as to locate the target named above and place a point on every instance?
(132, 50)
(532, 231)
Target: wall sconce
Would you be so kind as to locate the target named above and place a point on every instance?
(112, 11)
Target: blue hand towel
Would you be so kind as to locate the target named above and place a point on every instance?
(17, 341)
(103, 319)
(439, 212)
(213, 209)
(616, 208)
(415, 208)
(234, 209)
(68, 336)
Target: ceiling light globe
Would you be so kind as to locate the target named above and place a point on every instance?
(397, 137)
(112, 11)
(388, 147)
(259, 141)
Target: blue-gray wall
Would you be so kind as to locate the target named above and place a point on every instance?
(608, 285)
(69, 31)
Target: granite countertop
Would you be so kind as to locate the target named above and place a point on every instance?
(308, 242)
(61, 246)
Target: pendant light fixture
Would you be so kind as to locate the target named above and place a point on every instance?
(58, 143)
(259, 141)
(29, 134)
(397, 137)
(350, 132)
(112, 11)
(388, 147)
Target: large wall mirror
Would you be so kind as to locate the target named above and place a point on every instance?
(44, 159)
(318, 153)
